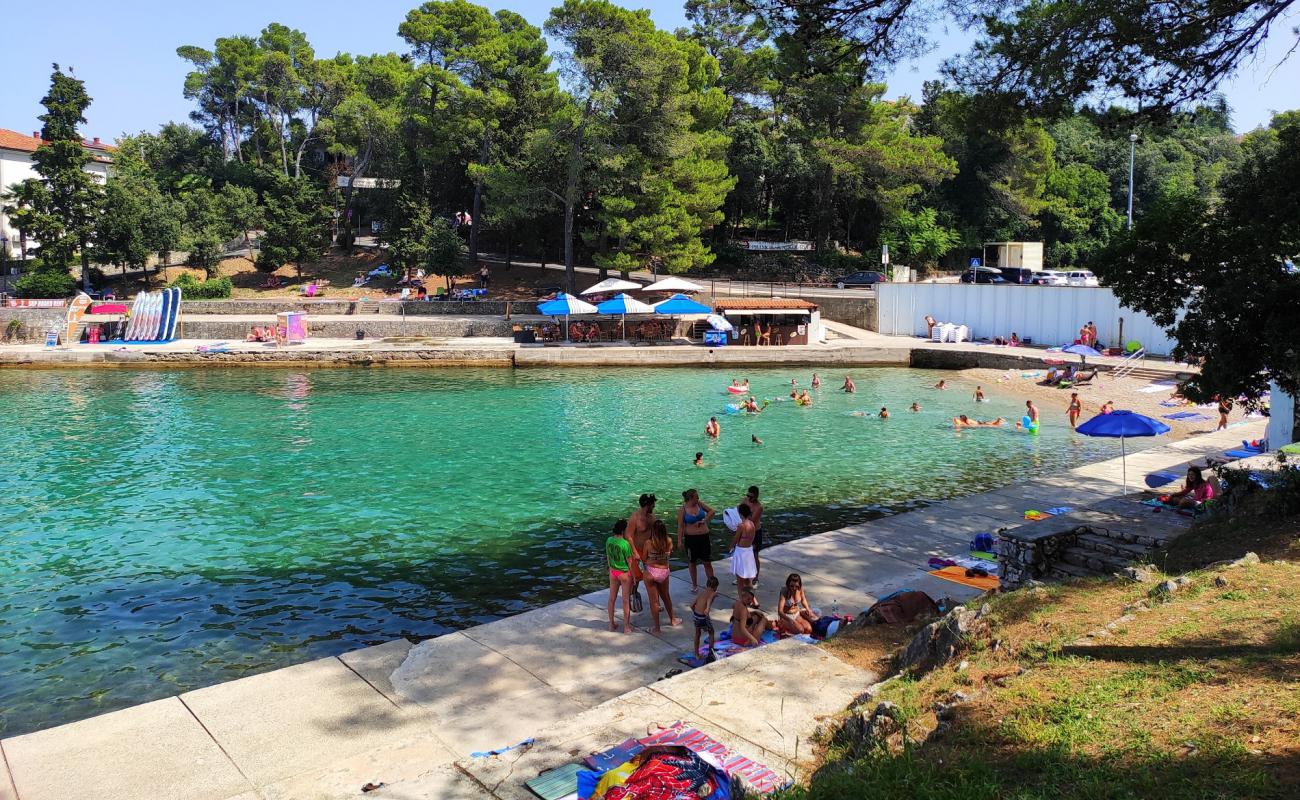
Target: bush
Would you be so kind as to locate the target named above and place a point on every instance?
(45, 282)
(213, 289)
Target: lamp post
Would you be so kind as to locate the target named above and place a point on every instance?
(4, 263)
(1132, 144)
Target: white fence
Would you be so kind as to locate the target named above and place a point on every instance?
(1050, 315)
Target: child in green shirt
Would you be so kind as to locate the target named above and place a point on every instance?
(618, 550)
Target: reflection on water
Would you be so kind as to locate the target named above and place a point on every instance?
(167, 530)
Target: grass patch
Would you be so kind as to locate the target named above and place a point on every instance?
(1194, 697)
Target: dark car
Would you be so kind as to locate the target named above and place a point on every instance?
(1023, 277)
(981, 277)
(864, 278)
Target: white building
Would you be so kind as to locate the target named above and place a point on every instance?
(16, 166)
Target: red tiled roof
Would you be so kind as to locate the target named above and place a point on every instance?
(13, 140)
(763, 303)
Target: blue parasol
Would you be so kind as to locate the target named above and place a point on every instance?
(623, 305)
(1122, 425)
(562, 306)
(681, 304)
(1082, 351)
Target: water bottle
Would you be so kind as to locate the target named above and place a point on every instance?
(835, 608)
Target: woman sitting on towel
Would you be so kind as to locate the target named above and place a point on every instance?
(794, 615)
(1195, 491)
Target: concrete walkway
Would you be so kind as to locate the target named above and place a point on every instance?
(410, 716)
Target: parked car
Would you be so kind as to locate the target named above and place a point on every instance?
(981, 277)
(1081, 278)
(864, 278)
(1050, 278)
(1018, 275)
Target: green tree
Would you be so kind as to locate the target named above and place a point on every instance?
(1211, 272)
(61, 205)
(417, 238)
(297, 224)
(138, 221)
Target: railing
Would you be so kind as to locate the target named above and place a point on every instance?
(1130, 362)
(726, 287)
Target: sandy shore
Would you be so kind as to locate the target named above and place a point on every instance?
(1123, 392)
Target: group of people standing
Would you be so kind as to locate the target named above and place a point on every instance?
(639, 550)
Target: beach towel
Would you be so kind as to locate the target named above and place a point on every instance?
(1185, 416)
(1059, 510)
(557, 783)
(664, 772)
(725, 648)
(1157, 387)
(731, 518)
(758, 777)
(1172, 403)
(1239, 453)
(1033, 515)
(984, 555)
(1160, 478)
(958, 575)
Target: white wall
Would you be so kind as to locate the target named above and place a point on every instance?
(1050, 315)
(1281, 417)
(17, 166)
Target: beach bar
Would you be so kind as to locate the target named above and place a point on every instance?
(782, 320)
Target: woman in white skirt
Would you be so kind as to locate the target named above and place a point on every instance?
(743, 565)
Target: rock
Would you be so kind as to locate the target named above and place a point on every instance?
(939, 642)
(985, 610)
(1221, 582)
(1138, 574)
(963, 665)
(1250, 559)
(1182, 580)
(1165, 588)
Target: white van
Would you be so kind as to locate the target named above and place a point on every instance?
(1081, 278)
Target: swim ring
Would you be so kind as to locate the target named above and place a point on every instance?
(739, 389)
(732, 408)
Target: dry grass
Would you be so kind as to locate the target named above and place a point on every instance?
(1096, 690)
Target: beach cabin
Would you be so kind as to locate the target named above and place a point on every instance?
(1014, 255)
(791, 321)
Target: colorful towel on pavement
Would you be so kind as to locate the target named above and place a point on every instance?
(725, 648)
(756, 776)
(958, 575)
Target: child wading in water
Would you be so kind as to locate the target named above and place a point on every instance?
(617, 552)
(700, 608)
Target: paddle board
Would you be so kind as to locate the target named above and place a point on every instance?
(151, 330)
(164, 316)
(146, 312)
(173, 323)
(137, 315)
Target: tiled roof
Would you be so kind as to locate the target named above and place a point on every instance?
(13, 140)
(763, 303)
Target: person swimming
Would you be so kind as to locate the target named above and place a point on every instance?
(884, 413)
(755, 439)
(699, 459)
(816, 381)
(979, 394)
(712, 429)
(849, 386)
(942, 384)
(915, 407)
(962, 421)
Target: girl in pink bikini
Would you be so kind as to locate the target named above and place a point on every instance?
(657, 550)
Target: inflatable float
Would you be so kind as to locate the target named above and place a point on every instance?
(739, 389)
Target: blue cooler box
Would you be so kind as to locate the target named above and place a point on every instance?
(715, 338)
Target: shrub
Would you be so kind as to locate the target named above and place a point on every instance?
(212, 289)
(45, 282)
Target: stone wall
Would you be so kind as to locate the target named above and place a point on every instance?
(368, 307)
(32, 323)
(374, 326)
(1028, 552)
(860, 312)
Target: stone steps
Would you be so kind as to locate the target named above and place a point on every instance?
(1109, 546)
(1092, 560)
(1064, 571)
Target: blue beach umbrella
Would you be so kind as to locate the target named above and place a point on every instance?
(681, 304)
(563, 305)
(1122, 425)
(622, 305)
(1082, 351)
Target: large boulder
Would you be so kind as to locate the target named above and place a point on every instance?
(939, 642)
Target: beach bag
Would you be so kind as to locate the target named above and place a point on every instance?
(825, 627)
(983, 542)
(636, 602)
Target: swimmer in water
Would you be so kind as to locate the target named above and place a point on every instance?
(699, 459)
(915, 407)
(884, 413)
(964, 422)
(979, 394)
(849, 386)
(755, 439)
(816, 381)
(941, 385)
(711, 428)
(804, 399)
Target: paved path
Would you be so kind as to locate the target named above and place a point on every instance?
(410, 715)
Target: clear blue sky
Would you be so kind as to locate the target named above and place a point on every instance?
(126, 53)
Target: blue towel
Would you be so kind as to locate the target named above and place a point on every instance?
(1158, 479)
(1185, 415)
(1239, 453)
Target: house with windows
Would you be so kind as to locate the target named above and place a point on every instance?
(16, 166)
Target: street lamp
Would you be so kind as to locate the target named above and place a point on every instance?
(1132, 143)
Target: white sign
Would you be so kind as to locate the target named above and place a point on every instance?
(750, 244)
(367, 183)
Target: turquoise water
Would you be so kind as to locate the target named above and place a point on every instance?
(166, 530)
